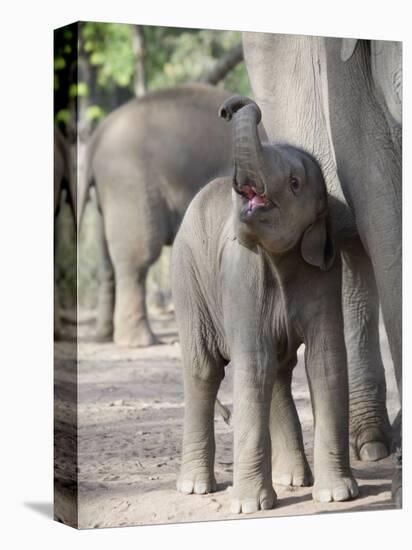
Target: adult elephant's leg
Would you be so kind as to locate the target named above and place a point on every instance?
(131, 323)
(369, 168)
(387, 261)
(379, 215)
(289, 463)
(135, 231)
(106, 296)
(369, 426)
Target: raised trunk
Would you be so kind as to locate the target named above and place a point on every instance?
(248, 154)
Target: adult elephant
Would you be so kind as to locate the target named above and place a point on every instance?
(147, 160)
(341, 101)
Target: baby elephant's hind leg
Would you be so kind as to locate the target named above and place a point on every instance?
(289, 463)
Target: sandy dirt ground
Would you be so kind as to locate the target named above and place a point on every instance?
(130, 413)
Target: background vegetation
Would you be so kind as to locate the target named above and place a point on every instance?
(99, 66)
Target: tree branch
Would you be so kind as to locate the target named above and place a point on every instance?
(224, 65)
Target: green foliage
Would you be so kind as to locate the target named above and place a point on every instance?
(63, 117)
(95, 113)
(109, 47)
(65, 61)
(172, 56)
(59, 63)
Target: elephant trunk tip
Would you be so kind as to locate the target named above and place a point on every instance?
(234, 103)
(225, 114)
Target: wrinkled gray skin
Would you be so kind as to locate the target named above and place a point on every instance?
(62, 181)
(249, 287)
(147, 160)
(341, 101)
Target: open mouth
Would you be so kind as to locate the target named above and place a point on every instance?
(253, 199)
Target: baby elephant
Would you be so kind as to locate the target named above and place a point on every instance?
(255, 276)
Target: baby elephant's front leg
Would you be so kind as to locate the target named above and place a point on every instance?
(328, 382)
(252, 483)
(197, 468)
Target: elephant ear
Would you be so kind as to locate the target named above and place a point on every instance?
(317, 245)
(348, 47)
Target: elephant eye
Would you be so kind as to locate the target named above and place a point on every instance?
(294, 184)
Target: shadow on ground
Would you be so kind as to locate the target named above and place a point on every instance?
(45, 509)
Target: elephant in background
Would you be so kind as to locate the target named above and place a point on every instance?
(340, 100)
(255, 275)
(63, 181)
(147, 160)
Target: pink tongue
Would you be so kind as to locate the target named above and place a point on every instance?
(257, 200)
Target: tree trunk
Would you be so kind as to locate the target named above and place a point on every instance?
(140, 86)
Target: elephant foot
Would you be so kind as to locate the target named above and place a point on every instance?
(397, 497)
(198, 482)
(335, 488)
(373, 451)
(136, 339)
(292, 470)
(370, 445)
(248, 501)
